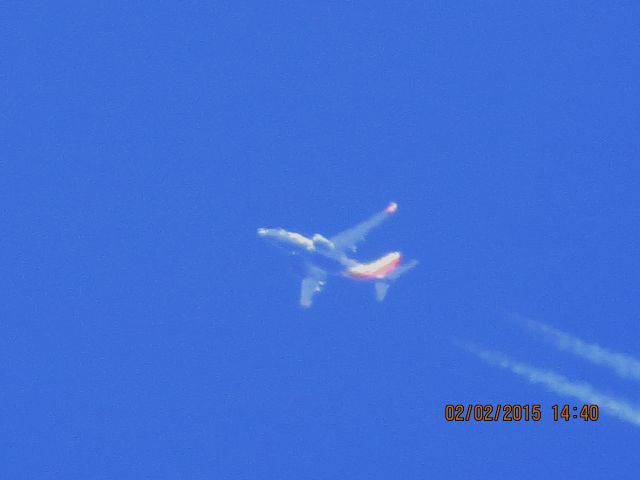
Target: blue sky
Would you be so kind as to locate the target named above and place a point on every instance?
(148, 333)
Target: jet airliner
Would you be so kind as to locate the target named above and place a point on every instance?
(321, 257)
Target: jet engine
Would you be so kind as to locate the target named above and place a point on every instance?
(322, 243)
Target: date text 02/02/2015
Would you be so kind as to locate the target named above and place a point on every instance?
(517, 412)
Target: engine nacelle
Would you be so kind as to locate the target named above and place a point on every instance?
(322, 243)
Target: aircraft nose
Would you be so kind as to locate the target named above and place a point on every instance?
(262, 232)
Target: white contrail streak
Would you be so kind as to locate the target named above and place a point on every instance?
(557, 383)
(623, 365)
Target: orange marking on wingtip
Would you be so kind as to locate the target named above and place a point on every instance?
(393, 206)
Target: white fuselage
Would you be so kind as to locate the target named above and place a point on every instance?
(320, 256)
(318, 250)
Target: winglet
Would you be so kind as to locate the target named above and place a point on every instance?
(391, 208)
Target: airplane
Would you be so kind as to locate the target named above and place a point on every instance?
(323, 256)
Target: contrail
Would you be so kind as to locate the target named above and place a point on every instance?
(557, 383)
(623, 365)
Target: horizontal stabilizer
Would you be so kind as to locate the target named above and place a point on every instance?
(381, 290)
(383, 285)
(402, 269)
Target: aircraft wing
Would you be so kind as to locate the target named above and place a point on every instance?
(348, 239)
(311, 284)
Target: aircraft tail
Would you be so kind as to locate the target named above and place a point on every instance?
(383, 284)
(379, 268)
(384, 271)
